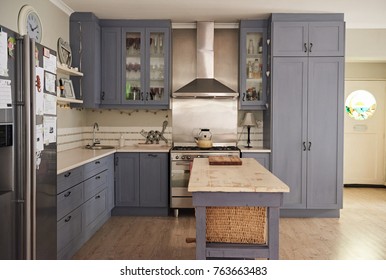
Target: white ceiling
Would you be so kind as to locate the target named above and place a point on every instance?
(358, 13)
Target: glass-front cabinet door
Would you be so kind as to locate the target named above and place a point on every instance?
(252, 68)
(133, 74)
(146, 53)
(158, 67)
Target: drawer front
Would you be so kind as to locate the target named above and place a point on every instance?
(69, 179)
(93, 208)
(69, 228)
(94, 185)
(95, 167)
(69, 200)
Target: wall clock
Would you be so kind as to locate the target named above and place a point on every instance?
(29, 23)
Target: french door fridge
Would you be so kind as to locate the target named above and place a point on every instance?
(27, 148)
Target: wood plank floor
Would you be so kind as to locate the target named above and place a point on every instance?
(360, 233)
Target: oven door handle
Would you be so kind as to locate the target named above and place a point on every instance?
(183, 163)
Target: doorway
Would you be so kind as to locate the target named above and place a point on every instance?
(364, 144)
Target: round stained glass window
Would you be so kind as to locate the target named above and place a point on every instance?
(360, 105)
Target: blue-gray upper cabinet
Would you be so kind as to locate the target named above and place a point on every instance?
(85, 37)
(253, 64)
(307, 148)
(145, 67)
(111, 65)
(135, 64)
(325, 38)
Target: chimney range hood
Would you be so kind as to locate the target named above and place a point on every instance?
(205, 85)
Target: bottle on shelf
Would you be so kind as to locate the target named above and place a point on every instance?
(260, 47)
(250, 47)
(249, 70)
(256, 73)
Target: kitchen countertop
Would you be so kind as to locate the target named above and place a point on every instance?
(243, 149)
(73, 158)
(251, 176)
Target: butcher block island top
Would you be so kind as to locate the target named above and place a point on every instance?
(250, 176)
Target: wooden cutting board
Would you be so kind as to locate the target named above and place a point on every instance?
(224, 160)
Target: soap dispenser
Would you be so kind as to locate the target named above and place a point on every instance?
(121, 141)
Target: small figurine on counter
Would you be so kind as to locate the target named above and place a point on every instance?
(153, 137)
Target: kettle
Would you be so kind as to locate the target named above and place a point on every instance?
(204, 139)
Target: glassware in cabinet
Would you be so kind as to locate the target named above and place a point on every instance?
(134, 63)
(252, 66)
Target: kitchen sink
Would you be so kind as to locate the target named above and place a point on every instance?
(99, 147)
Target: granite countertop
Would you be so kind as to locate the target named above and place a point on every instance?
(251, 176)
(70, 159)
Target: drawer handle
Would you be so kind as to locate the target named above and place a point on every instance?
(67, 194)
(305, 47)
(97, 162)
(98, 197)
(68, 219)
(97, 177)
(311, 47)
(67, 174)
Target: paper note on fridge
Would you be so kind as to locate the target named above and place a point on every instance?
(3, 54)
(5, 94)
(49, 125)
(49, 104)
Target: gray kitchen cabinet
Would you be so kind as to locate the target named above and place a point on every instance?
(307, 101)
(135, 64)
(127, 179)
(253, 64)
(262, 158)
(315, 38)
(154, 179)
(307, 107)
(85, 38)
(111, 65)
(84, 203)
(141, 184)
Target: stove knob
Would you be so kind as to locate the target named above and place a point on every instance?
(177, 157)
(188, 157)
(183, 157)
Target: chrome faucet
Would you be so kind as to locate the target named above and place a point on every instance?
(95, 141)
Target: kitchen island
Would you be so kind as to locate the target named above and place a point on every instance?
(229, 186)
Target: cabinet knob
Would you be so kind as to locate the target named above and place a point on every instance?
(98, 197)
(67, 194)
(97, 162)
(97, 177)
(68, 174)
(68, 219)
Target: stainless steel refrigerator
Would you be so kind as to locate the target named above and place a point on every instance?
(27, 168)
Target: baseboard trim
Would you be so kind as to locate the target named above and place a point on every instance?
(309, 213)
(140, 211)
(363, 186)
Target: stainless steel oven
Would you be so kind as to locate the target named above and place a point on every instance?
(181, 159)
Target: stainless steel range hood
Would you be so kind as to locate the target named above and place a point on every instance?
(205, 85)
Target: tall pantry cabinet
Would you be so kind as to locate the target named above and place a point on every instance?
(307, 111)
